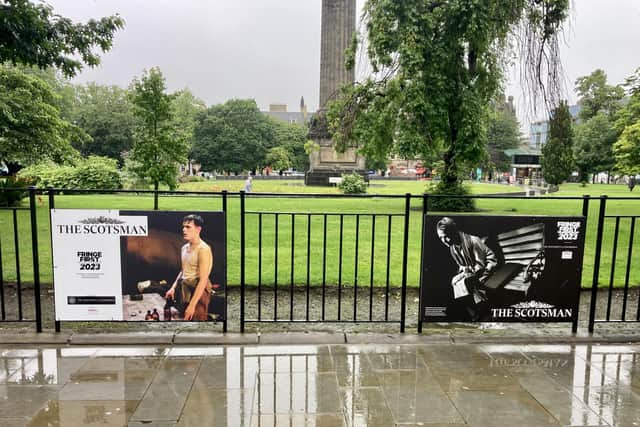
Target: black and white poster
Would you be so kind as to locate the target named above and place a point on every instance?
(139, 265)
(501, 268)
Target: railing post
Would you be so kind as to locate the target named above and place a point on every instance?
(425, 209)
(585, 214)
(52, 205)
(35, 258)
(242, 260)
(405, 252)
(226, 290)
(155, 197)
(596, 263)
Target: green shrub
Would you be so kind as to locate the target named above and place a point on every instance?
(353, 184)
(191, 178)
(97, 173)
(13, 190)
(450, 204)
(93, 173)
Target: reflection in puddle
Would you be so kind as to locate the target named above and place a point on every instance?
(352, 385)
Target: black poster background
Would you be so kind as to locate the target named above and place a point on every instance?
(552, 298)
(156, 257)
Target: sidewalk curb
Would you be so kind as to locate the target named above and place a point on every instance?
(199, 338)
(122, 339)
(297, 338)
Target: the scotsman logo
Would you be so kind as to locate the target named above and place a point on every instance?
(103, 225)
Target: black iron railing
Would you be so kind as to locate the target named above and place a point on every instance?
(347, 288)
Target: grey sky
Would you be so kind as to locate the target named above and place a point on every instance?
(270, 49)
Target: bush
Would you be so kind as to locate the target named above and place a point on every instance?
(191, 178)
(353, 184)
(446, 204)
(93, 173)
(13, 190)
(97, 173)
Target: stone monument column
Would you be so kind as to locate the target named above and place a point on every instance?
(338, 27)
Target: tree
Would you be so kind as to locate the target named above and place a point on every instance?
(627, 149)
(593, 146)
(233, 137)
(106, 114)
(437, 65)
(32, 34)
(278, 158)
(503, 133)
(31, 126)
(187, 108)
(158, 147)
(595, 134)
(292, 137)
(596, 96)
(557, 154)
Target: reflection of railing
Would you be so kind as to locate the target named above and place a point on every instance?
(590, 385)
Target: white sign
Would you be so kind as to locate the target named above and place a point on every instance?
(87, 263)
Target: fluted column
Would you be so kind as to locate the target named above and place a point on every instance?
(338, 26)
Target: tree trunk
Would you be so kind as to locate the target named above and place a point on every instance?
(450, 172)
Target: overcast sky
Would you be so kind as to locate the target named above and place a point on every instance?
(269, 50)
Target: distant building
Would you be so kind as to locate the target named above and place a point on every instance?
(525, 163)
(539, 131)
(279, 111)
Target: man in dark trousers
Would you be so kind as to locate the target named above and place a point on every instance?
(475, 263)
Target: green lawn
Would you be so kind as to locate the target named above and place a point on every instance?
(297, 186)
(366, 244)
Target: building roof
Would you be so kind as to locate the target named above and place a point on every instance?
(288, 117)
(523, 150)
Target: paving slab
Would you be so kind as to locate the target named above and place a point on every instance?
(310, 338)
(135, 338)
(215, 338)
(348, 384)
(372, 338)
(475, 338)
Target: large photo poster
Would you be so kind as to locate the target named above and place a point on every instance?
(501, 268)
(139, 265)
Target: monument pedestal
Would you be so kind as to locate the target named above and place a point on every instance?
(327, 163)
(321, 177)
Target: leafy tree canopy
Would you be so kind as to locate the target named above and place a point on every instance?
(31, 126)
(596, 133)
(627, 149)
(593, 145)
(32, 34)
(159, 148)
(292, 137)
(503, 133)
(106, 114)
(187, 107)
(437, 65)
(596, 96)
(233, 137)
(557, 154)
(278, 158)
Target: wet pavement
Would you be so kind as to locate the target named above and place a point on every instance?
(442, 384)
